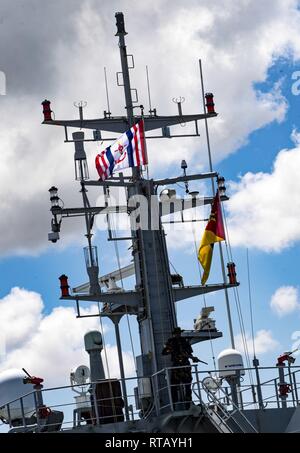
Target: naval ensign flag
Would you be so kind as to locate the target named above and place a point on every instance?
(214, 232)
(128, 151)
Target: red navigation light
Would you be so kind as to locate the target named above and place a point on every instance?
(47, 110)
(231, 273)
(64, 286)
(210, 103)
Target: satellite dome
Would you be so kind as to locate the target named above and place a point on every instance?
(229, 361)
(12, 387)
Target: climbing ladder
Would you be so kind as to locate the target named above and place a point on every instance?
(225, 421)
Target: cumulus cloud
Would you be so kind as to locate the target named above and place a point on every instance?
(63, 57)
(49, 345)
(295, 136)
(263, 340)
(285, 300)
(264, 208)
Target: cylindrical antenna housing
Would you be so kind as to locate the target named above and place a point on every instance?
(81, 168)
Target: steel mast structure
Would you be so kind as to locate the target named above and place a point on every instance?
(221, 401)
(154, 297)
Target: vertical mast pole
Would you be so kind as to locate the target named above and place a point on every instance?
(125, 70)
(213, 190)
(157, 317)
(116, 319)
(126, 79)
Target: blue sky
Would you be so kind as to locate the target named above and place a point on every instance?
(247, 137)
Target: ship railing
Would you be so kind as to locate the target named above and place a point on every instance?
(177, 400)
(162, 400)
(164, 396)
(62, 399)
(271, 388)
(264, 393)
(267, 393)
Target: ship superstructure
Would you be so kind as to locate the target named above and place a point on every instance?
(221, 402)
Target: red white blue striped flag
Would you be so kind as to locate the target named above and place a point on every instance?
(128, 151)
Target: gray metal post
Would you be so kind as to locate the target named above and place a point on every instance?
(295, 387)
(94, 346)
(116, 320)
(258, 384)
(95, 403)
(276, 392)
(234, 393)
(8, 413)
(36, 405)
(283, 398)
(22, 412)
(169, 389)
(155, 396)
(198, 383)
(291, 385)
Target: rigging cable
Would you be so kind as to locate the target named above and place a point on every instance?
(236, 294)
(235, 291)
(237, 299)
(204, 298)
(250, 304)
(113, 231)
(237, 302)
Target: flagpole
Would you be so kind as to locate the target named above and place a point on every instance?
(213, 190)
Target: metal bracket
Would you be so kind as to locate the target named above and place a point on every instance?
(118, 82)
(132, 61)
(134, 90)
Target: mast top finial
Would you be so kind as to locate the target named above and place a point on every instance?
(120, 24)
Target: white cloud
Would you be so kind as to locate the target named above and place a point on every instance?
(34, 157)
(295, 136)
(49, 345)
(285, 300)
(264, 210)
(264, 342)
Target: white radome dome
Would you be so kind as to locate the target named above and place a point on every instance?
(229, 361)
(12, 387)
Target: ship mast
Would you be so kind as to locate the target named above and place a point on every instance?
(154, 297)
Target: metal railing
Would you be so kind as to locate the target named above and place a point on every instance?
(167, 398)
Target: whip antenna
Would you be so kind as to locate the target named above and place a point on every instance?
(106, 90)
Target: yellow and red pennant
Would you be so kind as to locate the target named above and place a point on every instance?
(214, 232)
